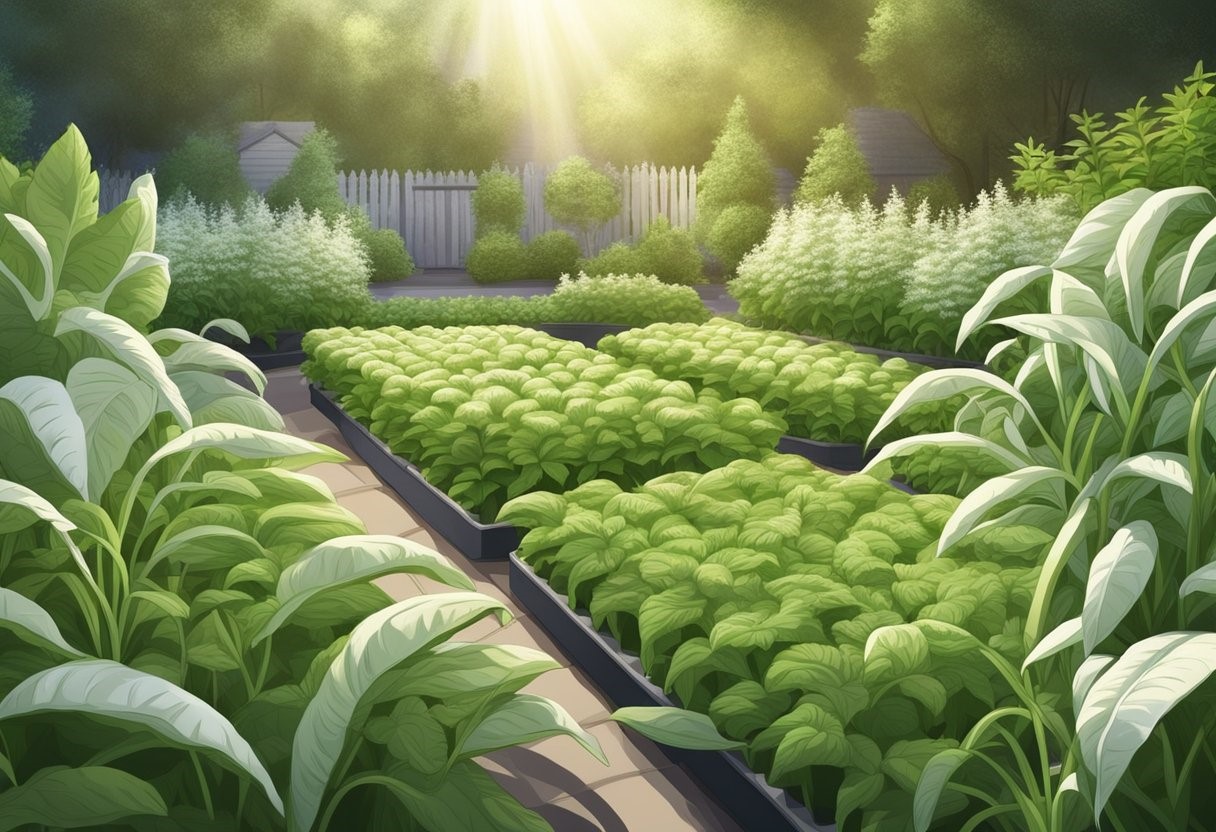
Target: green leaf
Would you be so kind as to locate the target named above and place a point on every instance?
(998, 291)
(1200, 308)
(247, 443)
(379, 643)
(1202, 579)
(1058, 640)
(28, 276)
(137, 293)
(895, 651)
(976, 505)
(1125, 703)
(167, 602)
(30, 622)
(926, 690)
(132, 349)
(525, 718)
(412, 735)
(1094, 239)
(951, 440)
(905, 760)
(455, 669)
(208, 356)
(72, 798)
(821, 743)
(345, 560)
(62, 197)
(115, 407)
(101, 250)
(467, 799)
(1117, 575)
(102, 688)
(44, 406)
(676, 727)
(233, 328)
(938, 385)
(933, 780)
(1200, 265)
(207, 547)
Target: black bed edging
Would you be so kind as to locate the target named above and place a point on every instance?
(742, 792)
(475, 540)
(287, 351)
(842, 456)
(937, 362)
(586, 334)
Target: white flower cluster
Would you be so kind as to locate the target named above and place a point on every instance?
(269, 271)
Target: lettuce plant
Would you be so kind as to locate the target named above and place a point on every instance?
(826, 392)
(1106, 439)
(187, 622)
(488, 413)
(751, 592)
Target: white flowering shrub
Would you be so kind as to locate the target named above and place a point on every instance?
(270, 271)
(892, 277)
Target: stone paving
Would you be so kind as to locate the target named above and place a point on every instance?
(639, 791)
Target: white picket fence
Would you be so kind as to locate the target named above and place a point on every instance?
(433, 212)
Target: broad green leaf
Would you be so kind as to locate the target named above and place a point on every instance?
(73, 798)
(233, 328)
(1070, 537)
(1200, 266)
(209, 356)
(62, 197)
(676, 727)
(27, 619)
(210, 395)
(413, 735)
(895, 651)
(129, 347)
(1202, 308)
(1174, 419)
(933, 781)
(998, 291)
(378, 644)
(1089, 671)
(954, 440)
(1138, 237)
(1117, 575)
(1156, 466)
(102, 688)
(100, 251)
(976, 505)
(821, 744)
(20, 507)
(247, 443)
(466, 799)
(45, 407)
(1202, 579)
(906, 760)
(344, 560)
(1058, 640)
(206, 547)
(525, 718)
(1093, 241)
(1070, 296)
(1125, 703)
(454, 669)
(939, 385)
(28, 276)
(167, 602)
(136, 294)
(115, 407)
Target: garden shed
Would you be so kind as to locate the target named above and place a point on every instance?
(266, 149)
(898, 151)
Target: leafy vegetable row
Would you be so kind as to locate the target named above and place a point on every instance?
(488, 413)
(751, 592)
(827, 392)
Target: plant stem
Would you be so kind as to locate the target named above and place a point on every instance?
(347, 788)
(202, 783)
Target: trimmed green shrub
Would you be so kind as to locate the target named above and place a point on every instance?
(738, 172)
(837, 166)
(498, 202)
(552, 254)
(269, 271)
(618, 258)
(670, 254)
(497, 257)
(207, 167)
(579, 195)
(312, 179)
(937, 192)
(386, 255)
(738, 230)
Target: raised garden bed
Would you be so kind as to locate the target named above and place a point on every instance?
(937, 362)
(839, 456)
(586, 334)
(286, 352)
(745, 794)
(474, 539)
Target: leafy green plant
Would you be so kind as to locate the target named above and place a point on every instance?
(488, 413)
(1143, 147)
(269, 271)
(497, 257)
(939, 192)
(1107, 441)
(578, 195)
(387, 258)
(751, 594)
(552, 254)
(186, 622)
(618, 258)
(311, 179)
(837, 167)
(738, 172)
(826, 392)
(498, 202)
(738, 229)
(16, 111)
(668, 253)
(206, 167)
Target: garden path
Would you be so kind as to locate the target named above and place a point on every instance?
(443, 283)
(640, 790)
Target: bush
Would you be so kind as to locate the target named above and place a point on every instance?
(738, 230)
(738, 172)
(552, 254)
(938, 193)
(618, 258)
(497, 257)
(836, 167)
(1166, 146)
(269, 271)
(207, 167)
(312, 179)
(386, 254)
(579, 195)
(498, 202)
(892, 278)
(16, 111)
(670, 254)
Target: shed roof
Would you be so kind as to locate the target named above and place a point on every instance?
(253, 132)
(894, 144)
